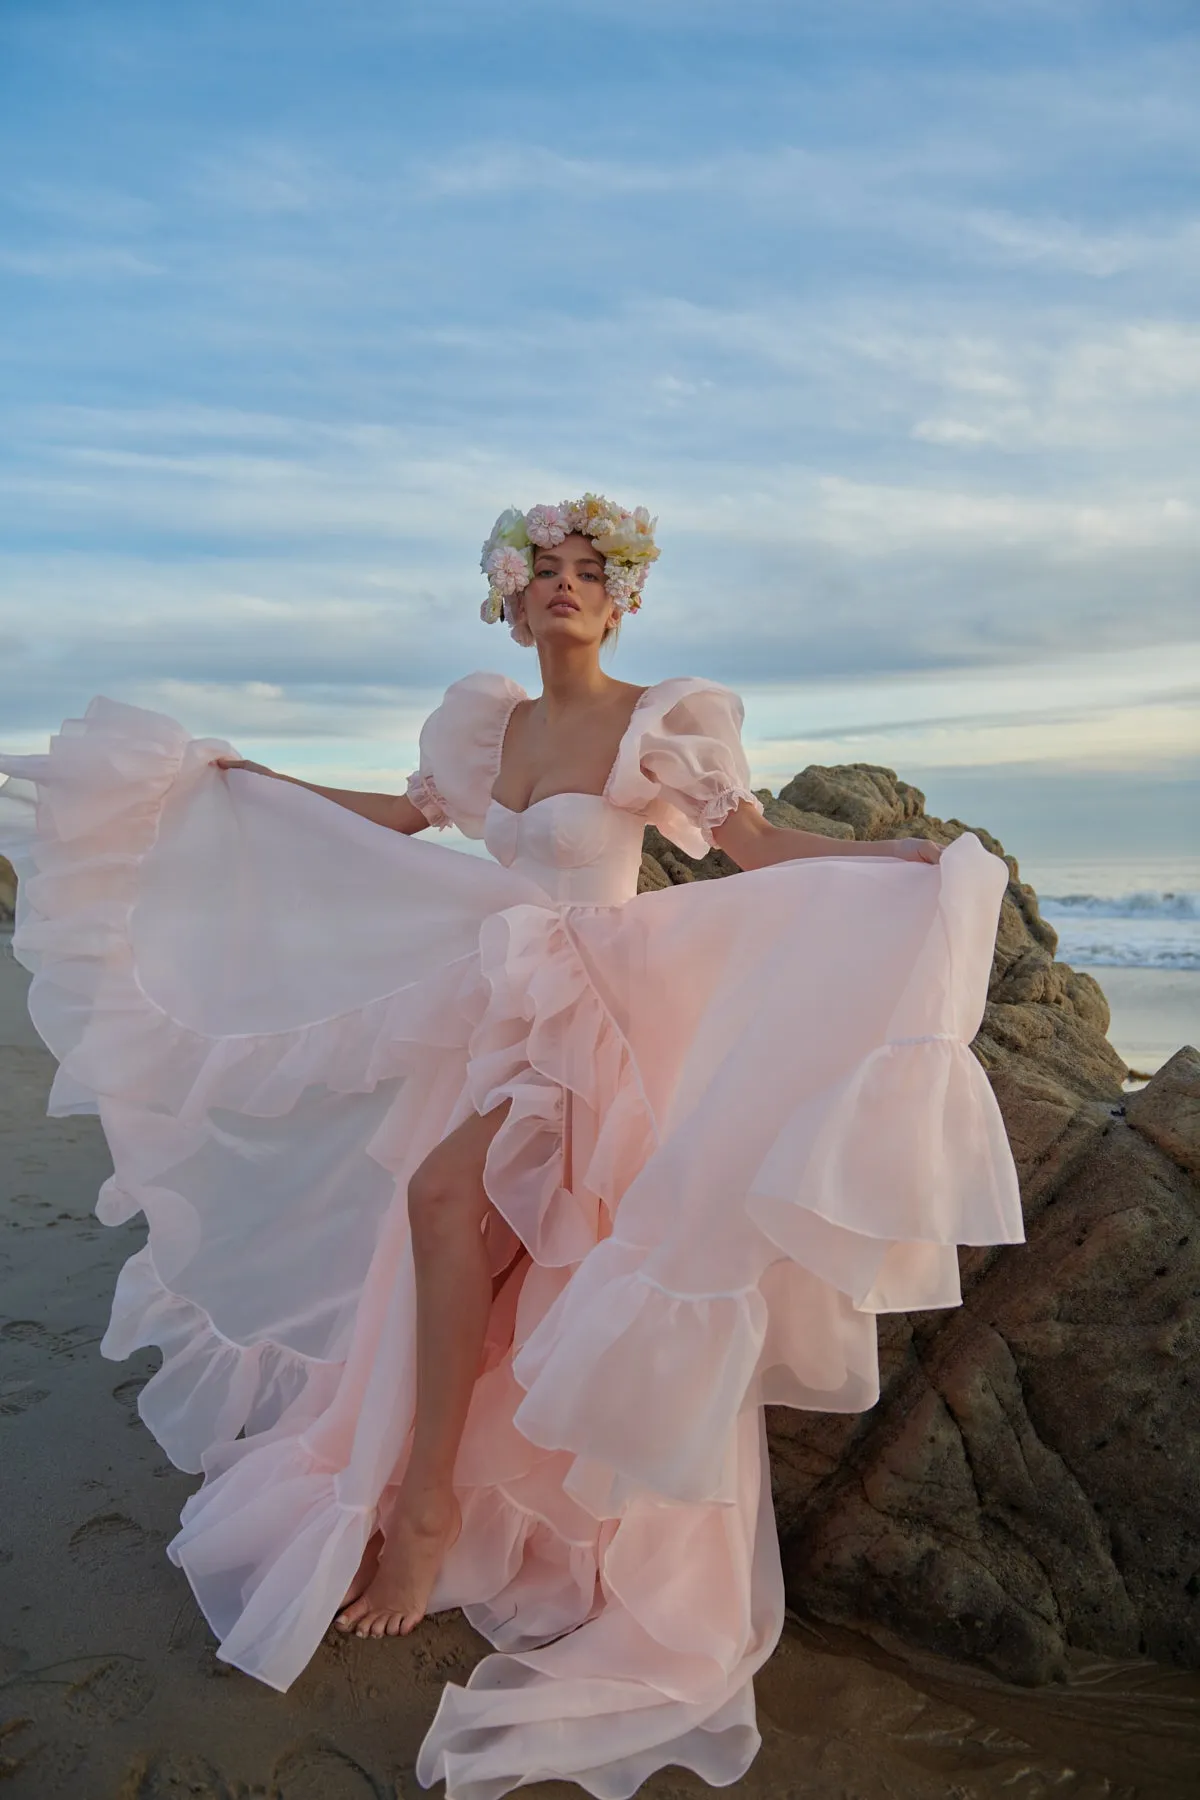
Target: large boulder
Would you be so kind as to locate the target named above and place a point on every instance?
(1027, 1483)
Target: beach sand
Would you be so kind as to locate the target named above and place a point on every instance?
(1154, 1011)
(109, 1688)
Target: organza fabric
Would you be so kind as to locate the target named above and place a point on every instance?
(744, 1120)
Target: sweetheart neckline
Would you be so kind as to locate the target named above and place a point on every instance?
(563, 794)
(603, 795)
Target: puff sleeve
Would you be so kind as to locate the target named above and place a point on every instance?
(688, 770)
(459, 751)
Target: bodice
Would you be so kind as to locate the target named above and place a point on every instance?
(579, 847)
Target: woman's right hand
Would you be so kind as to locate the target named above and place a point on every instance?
(238, 762)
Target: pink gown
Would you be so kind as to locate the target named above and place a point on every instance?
(744, 1121)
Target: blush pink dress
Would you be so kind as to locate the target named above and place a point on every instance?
(744, 1121)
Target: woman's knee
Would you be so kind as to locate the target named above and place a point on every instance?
(446, 1193)
(444, 1202)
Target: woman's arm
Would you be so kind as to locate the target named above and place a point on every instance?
(395, 811)
(754, 843)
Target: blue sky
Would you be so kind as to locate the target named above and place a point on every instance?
(889, 312)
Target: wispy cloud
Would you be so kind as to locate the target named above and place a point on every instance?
(889, 314)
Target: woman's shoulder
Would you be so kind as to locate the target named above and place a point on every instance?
(483, 686)
(684, 696)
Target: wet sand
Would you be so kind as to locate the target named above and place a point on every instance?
(109, 1688)
(1154, 1011)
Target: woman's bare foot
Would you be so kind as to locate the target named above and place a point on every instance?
(394, 1599)
(364, 1575)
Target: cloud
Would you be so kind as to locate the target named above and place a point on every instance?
(890, 318)
(81, 262)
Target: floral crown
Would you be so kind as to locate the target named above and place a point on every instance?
(626, 539)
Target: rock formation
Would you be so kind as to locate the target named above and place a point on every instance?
(1030, 1479)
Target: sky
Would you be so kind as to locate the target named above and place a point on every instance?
(889, 311)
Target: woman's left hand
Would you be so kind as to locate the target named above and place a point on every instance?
(915, 850)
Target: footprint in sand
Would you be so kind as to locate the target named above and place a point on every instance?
(106, 1536)
(314, 1770)
(54, 1764)
(14, 1755)
(164, 1776)
(126, 1394)
(18, 1396)
(60, 1346)
(116, 1689)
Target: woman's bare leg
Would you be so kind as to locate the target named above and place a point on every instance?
(446, 1205)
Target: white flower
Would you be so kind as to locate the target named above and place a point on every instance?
(508, 532)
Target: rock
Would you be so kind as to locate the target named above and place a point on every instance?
(8, 891)
(651, 875)
(1026, 1485)
(1167, 1109)
(780, 812)
(870, 799)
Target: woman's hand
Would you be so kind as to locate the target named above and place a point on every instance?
(237, 762)
(915, 850)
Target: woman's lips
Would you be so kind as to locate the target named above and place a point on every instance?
(563, 606)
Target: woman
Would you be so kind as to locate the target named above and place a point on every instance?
(490, 1201)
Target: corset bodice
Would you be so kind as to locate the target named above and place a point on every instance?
(579, 847)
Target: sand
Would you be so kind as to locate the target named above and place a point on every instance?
(109, 1688)
(1154, 1011)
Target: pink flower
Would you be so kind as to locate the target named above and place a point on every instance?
(508, 570)
(546, 526)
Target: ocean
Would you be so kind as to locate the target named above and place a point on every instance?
(1134, 924)
(1115, 914)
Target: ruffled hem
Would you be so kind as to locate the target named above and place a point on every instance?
(269, 1549)
(207, 1389)
(79, 825)
(486, 1737)
(689, 1606)
(801, 1330)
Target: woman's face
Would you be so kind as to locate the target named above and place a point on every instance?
(566, 597)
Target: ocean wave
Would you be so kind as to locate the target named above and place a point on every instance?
(1146, 903)
(1117, 953)
(1150, 928)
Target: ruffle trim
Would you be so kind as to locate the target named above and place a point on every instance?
(546, 1042)
(207, 1389)
(106, 779)
(523, 1575)
(717, 808)
(801, 1330)
(423, 793)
